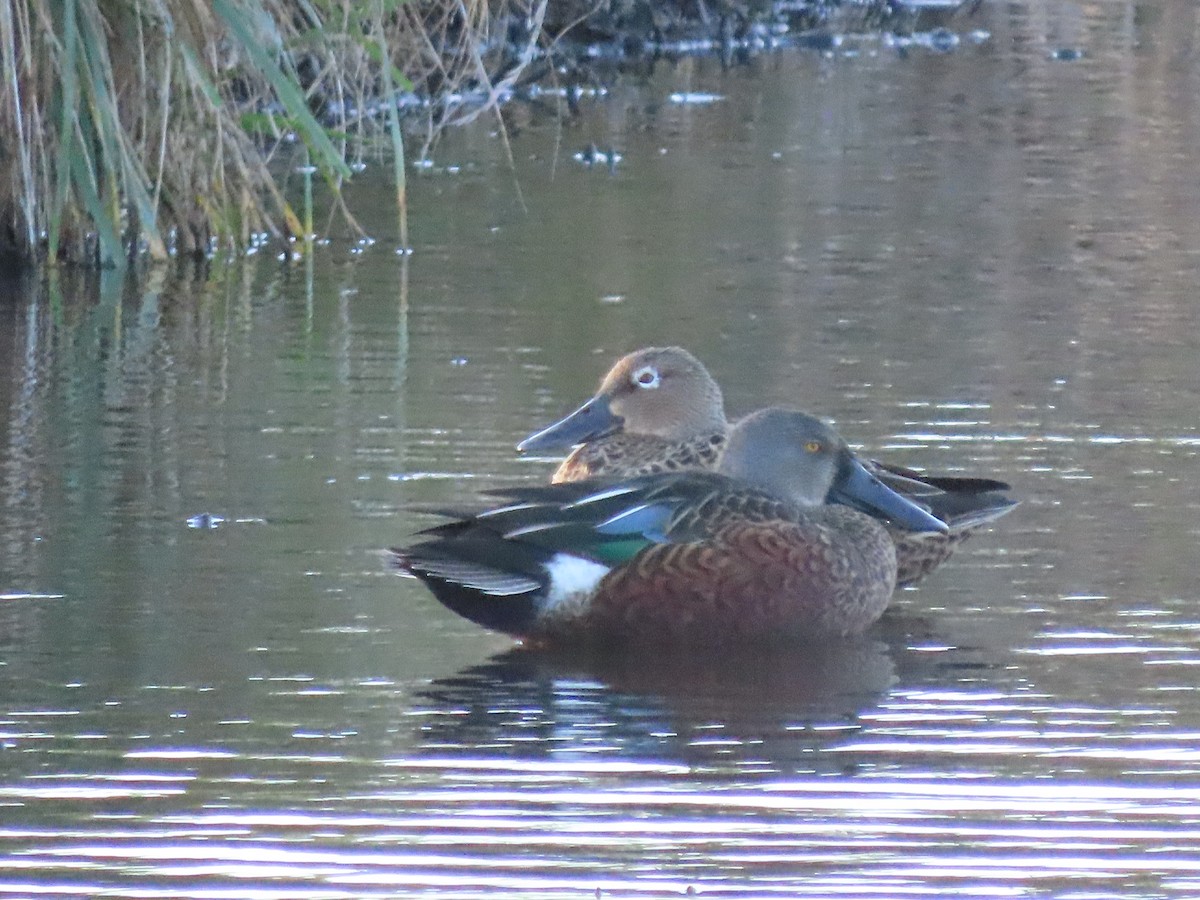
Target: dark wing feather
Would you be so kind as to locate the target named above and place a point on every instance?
(962, 503)
(894, 475)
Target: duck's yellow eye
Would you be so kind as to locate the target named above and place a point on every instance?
(812, 446)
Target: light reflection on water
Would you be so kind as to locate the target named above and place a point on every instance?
(981, 261)
(632, 829)
(539, 774)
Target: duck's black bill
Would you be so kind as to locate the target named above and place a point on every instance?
(859, 489)
(591, 421)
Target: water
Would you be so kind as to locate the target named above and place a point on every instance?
(980, 261)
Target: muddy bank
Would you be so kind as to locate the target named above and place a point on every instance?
(582, 46)
(637, 28)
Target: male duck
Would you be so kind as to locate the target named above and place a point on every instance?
(757, 550)
(659, 410)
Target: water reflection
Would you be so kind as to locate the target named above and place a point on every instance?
(761, 709)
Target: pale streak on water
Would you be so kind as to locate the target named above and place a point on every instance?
(982, 261)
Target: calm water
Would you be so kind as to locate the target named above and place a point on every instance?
(983, 260)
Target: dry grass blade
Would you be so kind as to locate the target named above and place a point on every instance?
(160, 125)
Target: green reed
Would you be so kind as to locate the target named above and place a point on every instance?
(152, 127)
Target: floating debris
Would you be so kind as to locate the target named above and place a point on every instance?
(695, 98)
(1067, 54)
(594, 157)
(428, 165)
(430, 476)
(684, 47)
(574, 93)
(943, 40)
(205, 520)
(212, 520)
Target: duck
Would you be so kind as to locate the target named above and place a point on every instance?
(658, 409)
(784, 540)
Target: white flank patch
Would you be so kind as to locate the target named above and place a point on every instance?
(572, 581)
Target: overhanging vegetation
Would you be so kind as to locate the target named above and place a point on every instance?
(170, 126)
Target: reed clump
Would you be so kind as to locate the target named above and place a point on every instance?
(173, 126)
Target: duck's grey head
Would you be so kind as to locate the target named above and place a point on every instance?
(656, 391)
(797, 457)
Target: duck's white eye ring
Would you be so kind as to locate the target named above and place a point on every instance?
(647, 377)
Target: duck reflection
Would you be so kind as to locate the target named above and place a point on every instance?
(752, 707)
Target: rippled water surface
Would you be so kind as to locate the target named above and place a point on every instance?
(982, 260)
